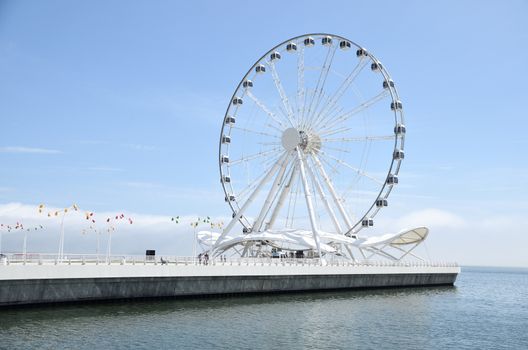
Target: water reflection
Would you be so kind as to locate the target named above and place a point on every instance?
(218, 304)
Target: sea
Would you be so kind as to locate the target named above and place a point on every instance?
(486, 309)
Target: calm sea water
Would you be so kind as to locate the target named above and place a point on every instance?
(488, 309)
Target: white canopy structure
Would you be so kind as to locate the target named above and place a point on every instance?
(310, 149)
(330, 243)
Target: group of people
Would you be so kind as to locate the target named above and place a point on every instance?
(204, 257)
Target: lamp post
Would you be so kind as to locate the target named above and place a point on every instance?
(111, 228)
(56, 213)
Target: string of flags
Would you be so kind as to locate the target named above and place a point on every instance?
(20, 226)
(73, 207)
(199, 221)
(89, 216)
(88, 229)
(109, 224)
(120, 217)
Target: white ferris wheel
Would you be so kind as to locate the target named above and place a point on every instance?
(310, 149)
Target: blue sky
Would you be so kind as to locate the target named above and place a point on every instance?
(118, 105)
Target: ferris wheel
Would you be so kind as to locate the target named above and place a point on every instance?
(310, 147)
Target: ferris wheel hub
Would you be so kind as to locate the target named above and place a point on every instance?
(307, 142)
(310, 142)
(291, 138)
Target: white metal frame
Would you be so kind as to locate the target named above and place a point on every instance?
(319, 120)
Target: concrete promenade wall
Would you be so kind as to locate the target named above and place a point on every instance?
(33, 284)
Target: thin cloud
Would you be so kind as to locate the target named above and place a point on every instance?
(28, 150)
(140, 147)
(138, 184)
(432, 217)
(104, 169)
(498, 189)
(93, 142)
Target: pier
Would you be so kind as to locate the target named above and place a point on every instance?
(38, 279)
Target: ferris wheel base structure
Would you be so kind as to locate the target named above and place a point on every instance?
(66, 283)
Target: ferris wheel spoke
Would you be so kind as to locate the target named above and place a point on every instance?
(337, 149)
(246, 204)
(275, 187)
(331, 113)
(266, 110)
(321, 82)
(283, 112)
(249, 188)
(251, 182)
(334, 99)
(268, 143)
(267, 164)
(292, 202)
(308, 198)
(252, 185)
(331, 122)
(276, 128)
(270, 159)
(254, 156)
(324, 199)
(359, 139)
(282, 93)
(300, 86)
(337, 200)
(305, 112)
(334, 170)
(254, 131)
(332, 166)
(353, 168)
(336, 131)
(286, 189)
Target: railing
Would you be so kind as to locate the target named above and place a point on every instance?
(92, 259)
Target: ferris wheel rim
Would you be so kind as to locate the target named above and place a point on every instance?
(394, 166)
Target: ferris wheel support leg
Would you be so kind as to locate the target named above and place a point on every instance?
(375, 253)
(251, 198)
(332, 191)
(308, 197)
(382, 253)
(246, 249)
(350, 252)
(271, 195)
(237, 252)
(322, 195)
(285, 191)
(408, 251)
(362, 253)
